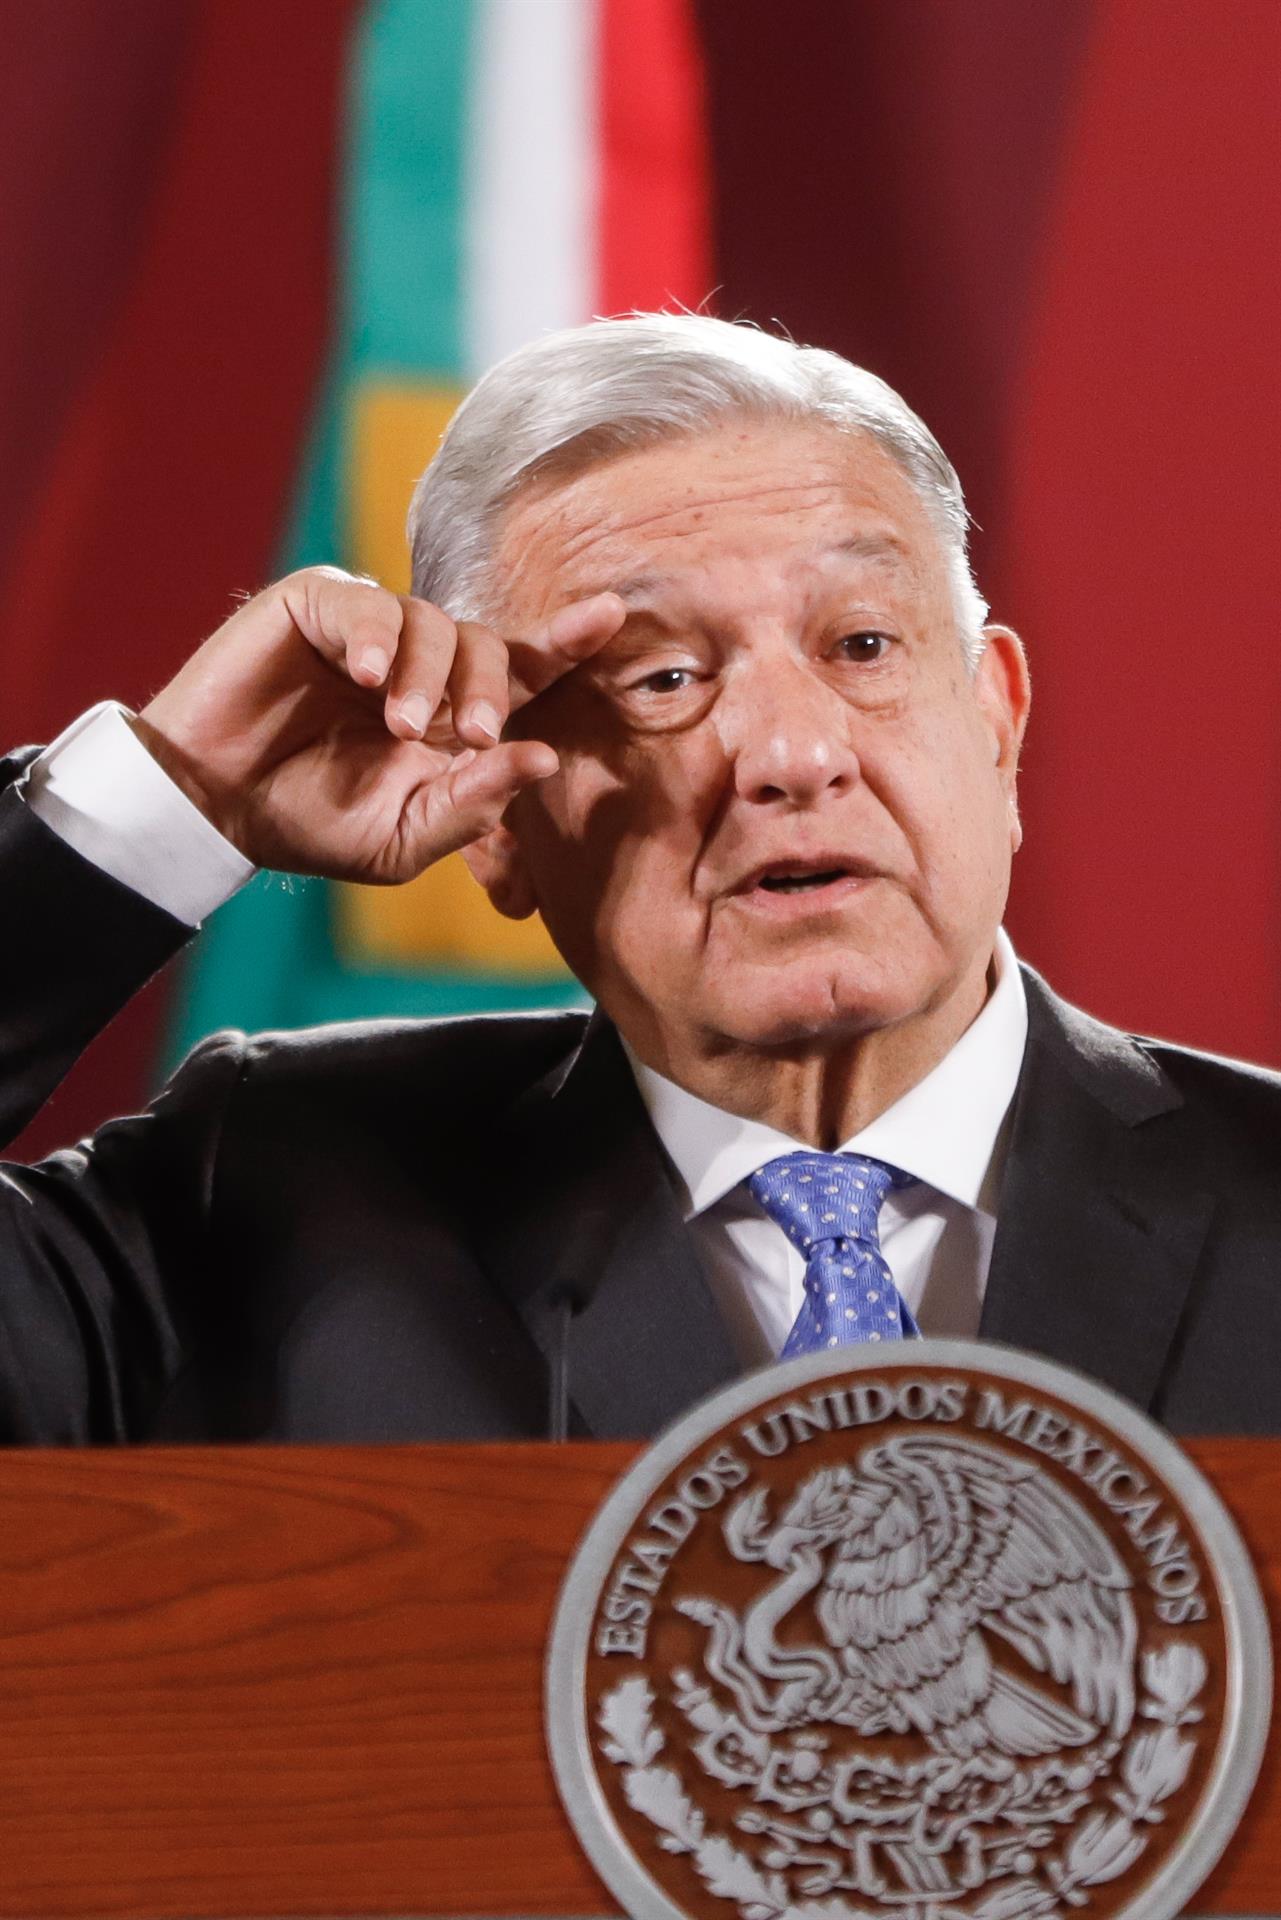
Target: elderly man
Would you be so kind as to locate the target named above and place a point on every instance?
(695, 666)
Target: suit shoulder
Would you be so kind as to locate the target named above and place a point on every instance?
(1216, 1083)
(480, 1057)
(1226, 1111)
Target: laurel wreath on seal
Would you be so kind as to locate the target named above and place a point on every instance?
(1109, 1840)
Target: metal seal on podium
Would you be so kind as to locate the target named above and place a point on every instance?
(944, 1632)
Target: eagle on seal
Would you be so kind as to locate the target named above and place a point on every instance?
(922, 1561)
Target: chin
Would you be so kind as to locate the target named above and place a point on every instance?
(836, 999)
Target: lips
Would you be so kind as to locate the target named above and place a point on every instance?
(802, 876)
(802, 882)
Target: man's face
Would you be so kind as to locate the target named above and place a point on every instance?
(785, 810)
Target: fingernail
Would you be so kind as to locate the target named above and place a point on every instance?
(463, 759)
(415, 712)
(374, 661)
(485, 717)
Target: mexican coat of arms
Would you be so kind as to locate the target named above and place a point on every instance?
(952, 1636)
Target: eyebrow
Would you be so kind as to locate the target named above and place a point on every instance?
(640, 585)
(874, 546)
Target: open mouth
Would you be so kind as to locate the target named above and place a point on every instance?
(820, 878)
(802, 882)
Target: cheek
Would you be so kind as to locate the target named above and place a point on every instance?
(973, 831)
(578, 799)
(639, 830)
(647, 790)
(948, 798)
(611, 843)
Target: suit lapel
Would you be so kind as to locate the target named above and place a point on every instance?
(1099, 1237)
(592, 1252)
(1099, 1234)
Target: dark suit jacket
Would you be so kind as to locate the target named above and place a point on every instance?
(433, 1231)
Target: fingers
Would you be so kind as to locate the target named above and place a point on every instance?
(354, 624)
(443, 681)
(478, 688)
(379, 640)
(449, 681)
(571, 636)
(421, 668)
(472, 797)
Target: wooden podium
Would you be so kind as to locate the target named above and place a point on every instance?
(308, 1681)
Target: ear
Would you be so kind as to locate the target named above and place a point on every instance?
(1004, 694)
(497, 863)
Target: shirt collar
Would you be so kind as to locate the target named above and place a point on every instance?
(945, 1130)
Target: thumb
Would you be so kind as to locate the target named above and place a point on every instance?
(471, 797)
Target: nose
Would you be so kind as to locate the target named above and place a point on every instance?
(788, 736)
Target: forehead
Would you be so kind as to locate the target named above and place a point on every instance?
(745, 497)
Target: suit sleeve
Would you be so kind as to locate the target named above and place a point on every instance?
(76, 946)
(101, 1246)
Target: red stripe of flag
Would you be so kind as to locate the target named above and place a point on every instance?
(653, 247)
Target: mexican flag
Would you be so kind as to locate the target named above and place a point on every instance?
(510, 168)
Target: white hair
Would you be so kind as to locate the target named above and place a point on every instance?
(562, 403)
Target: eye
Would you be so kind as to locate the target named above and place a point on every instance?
(666, 680)
(864, 648)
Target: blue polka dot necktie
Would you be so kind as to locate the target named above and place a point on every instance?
(828, 1205)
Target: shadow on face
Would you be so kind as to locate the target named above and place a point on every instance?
(785, 809)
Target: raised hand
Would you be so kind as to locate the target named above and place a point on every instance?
(331, 727)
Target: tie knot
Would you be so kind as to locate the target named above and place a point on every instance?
(825, 1196)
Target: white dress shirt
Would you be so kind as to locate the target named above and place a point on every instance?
(950, 1131)
(105, 795)
(100, 789)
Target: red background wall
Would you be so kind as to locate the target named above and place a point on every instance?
(1054, 228)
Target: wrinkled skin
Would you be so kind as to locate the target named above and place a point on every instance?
(788, 690)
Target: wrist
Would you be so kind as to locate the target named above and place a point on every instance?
(182, 767)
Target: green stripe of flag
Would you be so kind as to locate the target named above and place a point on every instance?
(406, 187)
(267, 959)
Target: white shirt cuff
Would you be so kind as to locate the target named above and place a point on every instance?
(100, 790)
